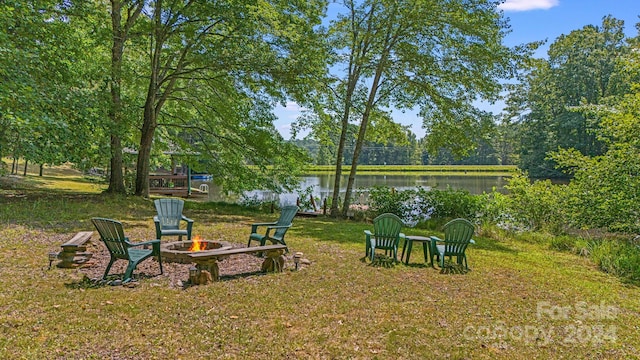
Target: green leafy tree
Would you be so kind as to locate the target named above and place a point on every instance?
(581, 69)
(605, 189)
(49, 93)
(435, 55)
(215, 71)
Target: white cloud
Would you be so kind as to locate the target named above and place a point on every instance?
(290, 111)
(525, 5)
(292, 106)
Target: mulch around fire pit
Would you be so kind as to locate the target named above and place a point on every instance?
(240, 265)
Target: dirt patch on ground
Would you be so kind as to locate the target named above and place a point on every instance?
(241, 265)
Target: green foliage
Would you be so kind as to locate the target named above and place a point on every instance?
(453, 203)
(417, 206)
(605, 190)
(617, 257)
(583, 68)
(383, 199)
(304, 199)
(534, 206)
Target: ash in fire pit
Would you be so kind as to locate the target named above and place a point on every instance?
(178, 251)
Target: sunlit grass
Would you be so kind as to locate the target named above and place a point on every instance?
(339, 307)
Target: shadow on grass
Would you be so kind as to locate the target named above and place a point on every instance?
(451, 268)
(111, 280)
(381, 261)
(418, 265)
(491, 245)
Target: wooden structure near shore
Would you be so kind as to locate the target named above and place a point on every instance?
(170, 185)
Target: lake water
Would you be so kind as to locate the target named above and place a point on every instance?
(322, 185)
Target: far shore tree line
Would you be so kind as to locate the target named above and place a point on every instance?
(82, 81)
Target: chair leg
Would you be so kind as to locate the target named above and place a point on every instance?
(425, 250)
(404, 247)
(160, 262)
(409, 248)
(106, 272)
(129, 272)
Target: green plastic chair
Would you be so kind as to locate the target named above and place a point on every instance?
(386, 235)
(119, 246)
(168, 219)
(457, 236)
(279, 228)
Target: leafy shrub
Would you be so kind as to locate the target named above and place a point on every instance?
(416, 206)
(535, 206)
(617, 257)
(304, 199)
(605, 190)
(563, 243)
(255, 202)
(383, 199)
(450, 203)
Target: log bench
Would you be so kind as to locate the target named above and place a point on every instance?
(74, 251)
(208, 260)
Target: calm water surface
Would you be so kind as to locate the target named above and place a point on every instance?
(323, 185)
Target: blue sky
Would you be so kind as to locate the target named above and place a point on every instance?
(530, 20)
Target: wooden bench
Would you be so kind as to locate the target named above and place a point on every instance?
(208, 260)
(74, 252)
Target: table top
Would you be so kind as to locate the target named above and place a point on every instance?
(418, 238)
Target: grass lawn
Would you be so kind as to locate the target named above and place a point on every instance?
(520, 301)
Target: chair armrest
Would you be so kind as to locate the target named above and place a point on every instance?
(269, 228)
(150, 242)
(254, 226)
(154, 243)
(189, 225)
(156, 221)
(279, 226)
(432, 243)
(472, 241)
(368, 234)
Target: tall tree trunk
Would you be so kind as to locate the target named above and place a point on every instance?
(120, 34)
(25, 167)
(157, 94)
(116, 180)
(144, 151)
(41, 168)
(151, 107)
(335, 200)
(361, 135)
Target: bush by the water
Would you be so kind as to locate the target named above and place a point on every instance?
(529, 208)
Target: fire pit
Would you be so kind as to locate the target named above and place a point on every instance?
(178, 251)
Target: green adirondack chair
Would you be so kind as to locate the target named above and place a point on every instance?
(169, 217)
(279, 228)
(457, 236)
(386, 235)
(119, 246)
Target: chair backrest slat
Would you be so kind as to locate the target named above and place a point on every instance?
(457, 234)
(112, 234)
(286, 218)
(169, 212)
(386, 228)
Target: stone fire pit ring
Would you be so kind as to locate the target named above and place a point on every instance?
(178, 251)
